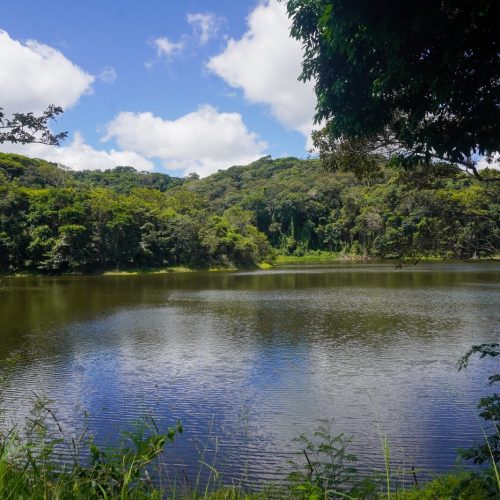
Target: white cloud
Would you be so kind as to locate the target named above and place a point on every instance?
(266, 63)
(494, 164)
(203, 141)
(34, 75)
(80, 156)
(166, 48)
(205, 26)
(108, 75)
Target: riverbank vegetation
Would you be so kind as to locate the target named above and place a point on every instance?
(53, 220)
(41, 461)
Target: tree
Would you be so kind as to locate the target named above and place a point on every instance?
(415, 81)
(25, 128)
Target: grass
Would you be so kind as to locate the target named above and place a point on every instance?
(318, 256)
(459, 485)
(135, 272)
(182, 269)
(264, 266)
(32, 465)
(153, 270)
(134, 469)
(324, 256)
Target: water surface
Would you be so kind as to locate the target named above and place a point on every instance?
(249, 360)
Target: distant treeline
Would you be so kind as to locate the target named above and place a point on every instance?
(55, 220)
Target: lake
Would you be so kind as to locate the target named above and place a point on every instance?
(250, 360)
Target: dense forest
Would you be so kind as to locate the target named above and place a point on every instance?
(54, 220)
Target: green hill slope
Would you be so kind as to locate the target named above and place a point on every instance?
(301, 207)
(54, 220)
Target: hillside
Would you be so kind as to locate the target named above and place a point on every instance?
(55, 220)
(301, 207)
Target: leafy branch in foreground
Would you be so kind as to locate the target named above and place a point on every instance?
(26, 128)
(490, 410)
(423, 77)
(365, 156)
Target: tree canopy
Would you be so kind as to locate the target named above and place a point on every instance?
(54, 220)
(419, 81)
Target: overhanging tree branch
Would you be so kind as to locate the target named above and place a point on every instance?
(26, 128)
(425, 75)
(366, 154)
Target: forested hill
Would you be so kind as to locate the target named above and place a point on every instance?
(31, 172)
(300, 208)
(56, 220)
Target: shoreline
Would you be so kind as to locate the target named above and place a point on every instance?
(142, 271)
(278, 261)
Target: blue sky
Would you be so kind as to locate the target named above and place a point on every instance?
(174, 86)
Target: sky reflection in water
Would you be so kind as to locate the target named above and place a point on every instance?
(256, 358)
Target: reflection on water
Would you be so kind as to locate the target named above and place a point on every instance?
(257, 358)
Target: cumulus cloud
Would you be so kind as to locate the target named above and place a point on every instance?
(265, 63)
(205, 26)
(108, 75)
(204, 140)
(166, 48)
(80, 156)
(34, 75)
(494, 163)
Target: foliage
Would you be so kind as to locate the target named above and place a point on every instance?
(31, 467)
(433, 211)
(459, 486)
(53, 220)
(41, 460)
(328, 468)
(125, 179)
(489, 407)
(419, 81)
(24, 128)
